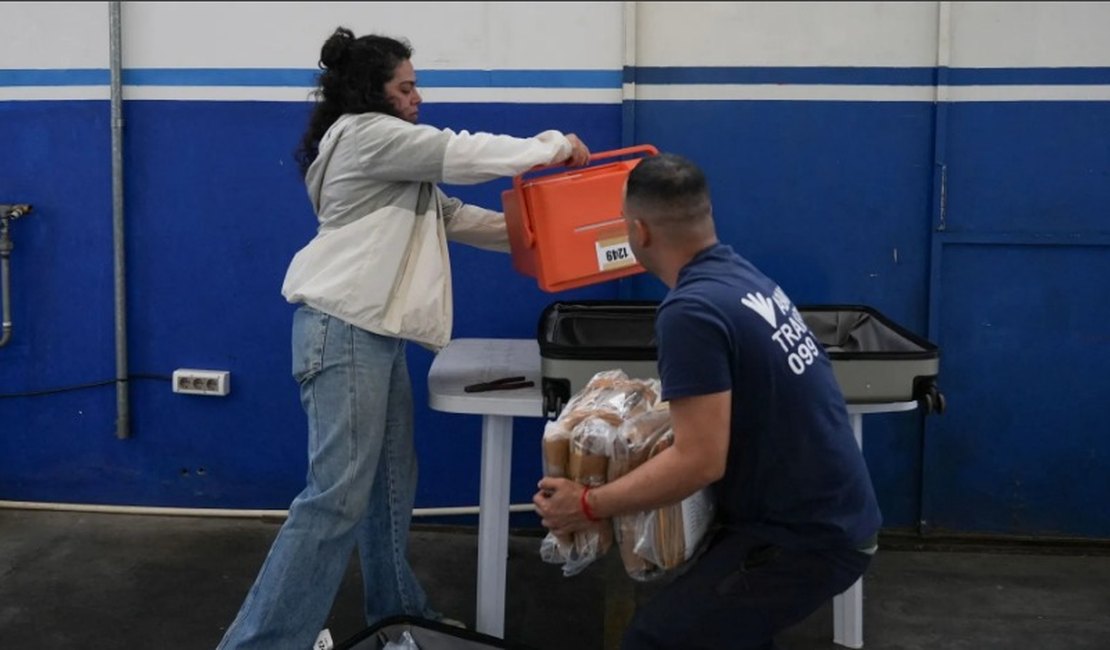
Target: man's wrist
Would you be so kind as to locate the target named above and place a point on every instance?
(586, 506)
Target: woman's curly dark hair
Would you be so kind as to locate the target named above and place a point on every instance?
(353, 78)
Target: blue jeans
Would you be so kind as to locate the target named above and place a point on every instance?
(361, 484)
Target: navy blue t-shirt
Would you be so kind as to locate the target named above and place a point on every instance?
(795, 476)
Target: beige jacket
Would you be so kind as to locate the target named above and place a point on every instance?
(379, 259)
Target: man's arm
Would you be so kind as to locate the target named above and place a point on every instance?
(696, 459)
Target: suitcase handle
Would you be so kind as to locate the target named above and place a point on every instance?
(518, 182)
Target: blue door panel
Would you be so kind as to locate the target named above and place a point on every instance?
(1023, 447)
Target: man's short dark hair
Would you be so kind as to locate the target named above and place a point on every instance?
(671, 187)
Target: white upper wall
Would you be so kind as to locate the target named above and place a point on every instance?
(53, 35)
(786, 33)
(445, 35)
(553, 35)
(1030, 34)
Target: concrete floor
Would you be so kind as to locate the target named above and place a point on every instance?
(93, 581)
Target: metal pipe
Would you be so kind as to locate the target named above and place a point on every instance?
(442, 511)
(123, 407)
(629, 26)
(5, 282)
(8, 213)
(938, 225)
(628, 74)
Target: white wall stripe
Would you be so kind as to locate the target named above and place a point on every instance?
(643, 92)
(799, 92)
(293, 94)
(49, 93)
(869, 93)
(1028, 93)
(219, 93)
(524, 95)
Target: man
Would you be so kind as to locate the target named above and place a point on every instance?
(757, 416)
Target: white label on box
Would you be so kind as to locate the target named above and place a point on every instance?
(614, 253)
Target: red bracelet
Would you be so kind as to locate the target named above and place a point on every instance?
(586, 505)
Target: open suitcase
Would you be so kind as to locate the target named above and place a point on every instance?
(414, 633)
(579, 339)
(874, 359)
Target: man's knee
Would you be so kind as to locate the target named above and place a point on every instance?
(636, 637)
(648, 632)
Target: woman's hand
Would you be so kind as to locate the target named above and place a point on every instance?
(579, 154)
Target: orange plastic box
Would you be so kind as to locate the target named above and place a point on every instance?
(566, 229)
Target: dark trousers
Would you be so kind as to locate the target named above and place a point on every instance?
(739, 594)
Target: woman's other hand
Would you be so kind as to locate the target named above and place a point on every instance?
(579, 154)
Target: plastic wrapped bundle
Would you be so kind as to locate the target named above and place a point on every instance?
(611, 427)
(556, 449)
(633, 445)
(578, 446)
(589, 445)
(611, 395)
(669, 537)
(656, 542)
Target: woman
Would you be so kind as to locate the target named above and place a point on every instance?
(375, 276)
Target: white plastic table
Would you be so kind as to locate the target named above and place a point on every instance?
(848, 606)
(469, 361)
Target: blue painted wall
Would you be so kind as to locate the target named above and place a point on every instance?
(818, 194)
(1023, 448)
(1019, 308)
(215, 210)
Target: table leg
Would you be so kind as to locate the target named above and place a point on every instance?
(493, 523)
(848, 617)
(857, 427)
(848, 606)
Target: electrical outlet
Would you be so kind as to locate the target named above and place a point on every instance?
(201, 382)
